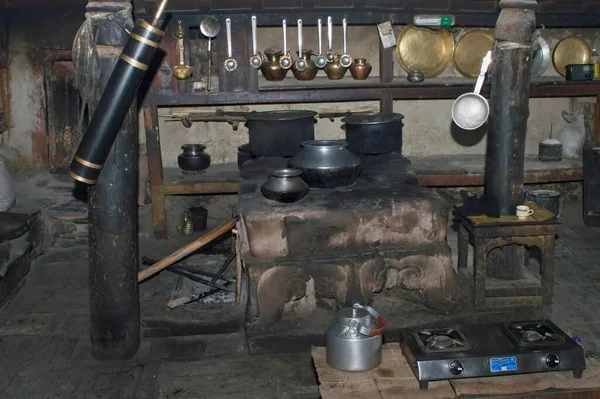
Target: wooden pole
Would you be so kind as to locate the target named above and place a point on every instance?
(185, 251)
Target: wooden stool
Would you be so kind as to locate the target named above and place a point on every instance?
(487, 233)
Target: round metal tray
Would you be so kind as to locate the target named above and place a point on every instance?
(470, 50)
(428, 50)
(570, 50)
(541, 57)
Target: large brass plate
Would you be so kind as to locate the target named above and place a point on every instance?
(570, 50)
(470, 50)
(424, 49)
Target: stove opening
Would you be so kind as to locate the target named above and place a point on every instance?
(534, 334)
(442, 340)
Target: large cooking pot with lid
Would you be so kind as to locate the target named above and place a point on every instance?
(374, 133)
(280, 133)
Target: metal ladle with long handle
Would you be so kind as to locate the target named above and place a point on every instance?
(181, 71)
(256, 59)
(285, 61)
(230, 63)
(330, 54)
(320, 61)
(210, 28)
(345, 59)
(471, 110)
(300, 62)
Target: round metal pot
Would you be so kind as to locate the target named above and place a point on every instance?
(374, 133)
(243, 155)
(354, 341)
(327, 164)
(285, 185)
(193, 158)
(280, 133)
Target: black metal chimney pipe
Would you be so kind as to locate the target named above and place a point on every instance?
(509, 107)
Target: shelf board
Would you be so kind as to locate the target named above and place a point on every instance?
(324, 90)
(432, 171)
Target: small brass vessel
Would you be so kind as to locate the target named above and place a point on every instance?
(335, 70)
(270, 67)
(360, 69)
(311, 69)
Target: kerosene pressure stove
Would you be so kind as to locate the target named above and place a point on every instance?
(484, 350)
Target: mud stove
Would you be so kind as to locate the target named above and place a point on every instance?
(480, 350)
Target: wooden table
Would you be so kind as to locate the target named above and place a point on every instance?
(394, 379)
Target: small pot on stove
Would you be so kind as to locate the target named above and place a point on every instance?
(354, 341)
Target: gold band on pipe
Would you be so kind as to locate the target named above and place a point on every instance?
(144, 40)
(133, 62)
(81, 179)
(87, 163)
(150, 28)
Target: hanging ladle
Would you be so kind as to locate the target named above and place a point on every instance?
(230, 63)
(471, 110)
(330, 54)
(320, 61)
(285, 61)
(181, 71)
(300, 62)
(210, 28)
(256, 60)
(345, 59)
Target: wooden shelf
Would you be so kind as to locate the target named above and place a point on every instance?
(324, 90)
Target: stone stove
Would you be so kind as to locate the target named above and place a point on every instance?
(383, 232)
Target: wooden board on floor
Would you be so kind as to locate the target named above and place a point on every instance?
(394, 379)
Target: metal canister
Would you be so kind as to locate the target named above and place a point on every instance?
(354, 341)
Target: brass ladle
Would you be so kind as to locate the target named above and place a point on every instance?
(181, 71)
(320, 61)
(230, 63)
(256, 59)
(285, 61)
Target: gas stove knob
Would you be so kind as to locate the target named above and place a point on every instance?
(456, 368)
(552, 361)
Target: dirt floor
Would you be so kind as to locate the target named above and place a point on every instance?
(44, 343)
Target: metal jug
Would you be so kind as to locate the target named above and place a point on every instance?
(354, 341)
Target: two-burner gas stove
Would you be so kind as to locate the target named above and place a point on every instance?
(483, 350)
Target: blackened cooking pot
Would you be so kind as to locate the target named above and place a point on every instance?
(374, 133)
(280, 133)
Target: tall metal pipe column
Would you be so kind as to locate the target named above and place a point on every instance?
(509, 106)
(509, 111)
(113, 242)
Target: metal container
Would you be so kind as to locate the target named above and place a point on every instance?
(548, 199)
(354, 341)
(193, 158)
(374, 133)
(285, 185)
(550, 150)
(360, 69)
(327, 163)
(280, 133)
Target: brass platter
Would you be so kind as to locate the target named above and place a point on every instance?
(570, 50)
(424, 49)
(470, 50)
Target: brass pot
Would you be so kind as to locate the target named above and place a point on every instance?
(311, 69)
(335, 70)
(360, 69)
(270, 67)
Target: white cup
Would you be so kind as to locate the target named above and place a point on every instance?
(523, 211)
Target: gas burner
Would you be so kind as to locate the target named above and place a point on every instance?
(534, 334)
(442, 340)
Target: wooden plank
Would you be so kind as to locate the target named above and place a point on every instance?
(597, 120)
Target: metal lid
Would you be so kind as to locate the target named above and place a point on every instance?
(281, 115)
(372, 119)
(347, 314)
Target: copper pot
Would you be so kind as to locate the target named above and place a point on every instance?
(311, 69)
(360, 69)
(270, 67)
(335, 70)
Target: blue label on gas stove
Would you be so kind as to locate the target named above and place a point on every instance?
(499, 364)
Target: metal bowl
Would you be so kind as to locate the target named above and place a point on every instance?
(415, 76)
(470, 111)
